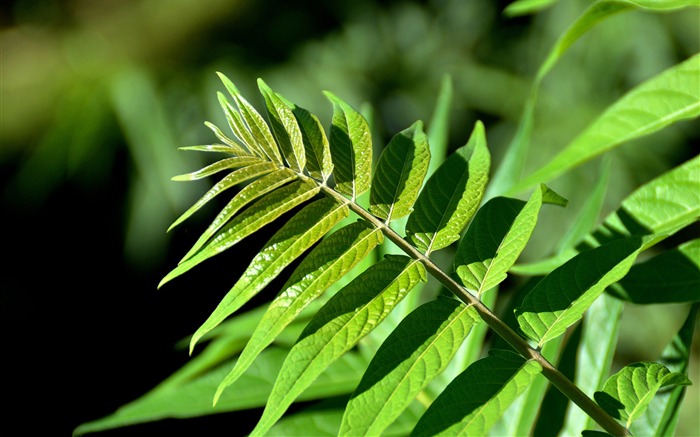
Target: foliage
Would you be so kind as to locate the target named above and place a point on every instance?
(337, 325)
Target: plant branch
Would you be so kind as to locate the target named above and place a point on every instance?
(559, 380)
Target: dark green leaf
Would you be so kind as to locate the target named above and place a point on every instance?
(561, 298)
(473, 402)
(495, 239)
(672, 276)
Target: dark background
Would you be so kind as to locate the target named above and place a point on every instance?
(97, 96)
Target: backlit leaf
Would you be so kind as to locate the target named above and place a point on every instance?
(318, 153)
(230, 180)
(399, 174)
(249, 193)
(258, 127)
(264, 211)
(224, 164)
(329, 261)
(285, 127)
(296, 236)
(351, 149)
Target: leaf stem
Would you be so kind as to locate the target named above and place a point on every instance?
(561, 382)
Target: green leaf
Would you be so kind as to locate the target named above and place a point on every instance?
(260, 130)
(560, 299)
(351, 148)
(495, 239)
(627, 394)
(473, 402)
(451, 196)
(527, 7)
(233, 147)
(285, 127)
(249, 193)
(636, 114)
(654, 211)
(326, 263)
(418, 350)
(657, 209)
(596, 350)
(218, 148)
(191, 398)
(318, 153)
(238, 127)
(224, 164)
(399, 174)
(293, 239)
(230, 180)
(672, 276)
(661, 417)
(349, 315)
(259, 214)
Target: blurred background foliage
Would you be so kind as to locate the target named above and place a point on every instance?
(98, 95)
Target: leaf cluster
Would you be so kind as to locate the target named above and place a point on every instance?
(418, 364)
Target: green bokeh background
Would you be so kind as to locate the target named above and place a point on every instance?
(98, 95)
